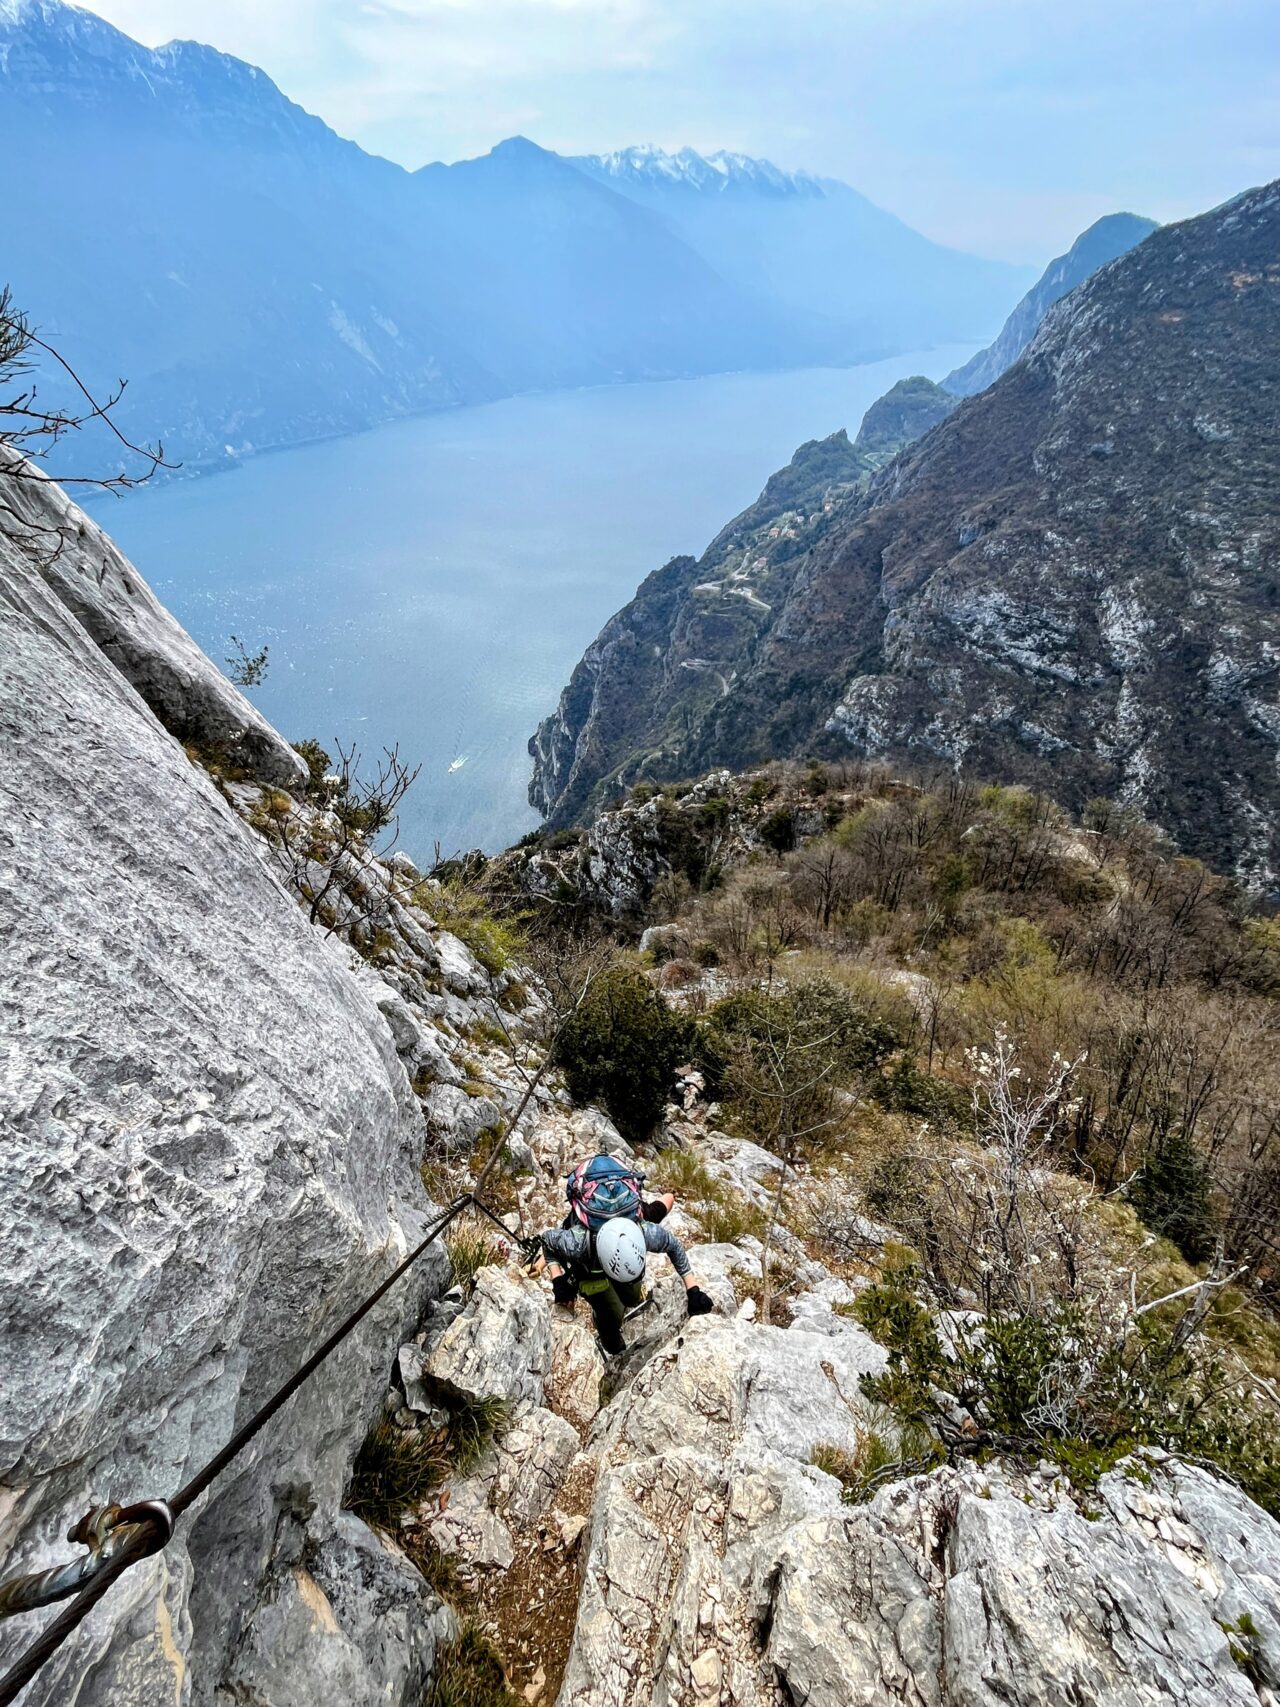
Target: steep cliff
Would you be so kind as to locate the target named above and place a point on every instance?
(1105, 240)
(211, 1154)
(1070, 582)
(680, 647)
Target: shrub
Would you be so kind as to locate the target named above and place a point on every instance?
(465, 913)
(1172, 1193)
(786, 1051)
(818, 1010)
(319, 765)
(1069, 1383)
(621, 1046)
(779, 830)
(907, 1089)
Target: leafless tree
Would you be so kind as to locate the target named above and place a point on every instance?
(30, 431)
(246, 669)
(327, 851)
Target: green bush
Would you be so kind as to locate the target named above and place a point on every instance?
(1172, 1192)
(907, 1089)
(817, 1011)
(621, 1047)
(1032, 1392)
(779, 830)
(318, 763)
(466, 914)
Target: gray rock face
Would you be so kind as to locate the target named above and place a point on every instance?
(724, 1567)
(118, 610)
(500, 1346)
(968, 1587)
(210, 1156)
(354, 1623)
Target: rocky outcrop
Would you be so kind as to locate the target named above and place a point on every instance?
(982, 1587)
(724, 1566)
(42, 528)
(685, 641)
(211, 1155)
(1069, 583)
(1105, 240)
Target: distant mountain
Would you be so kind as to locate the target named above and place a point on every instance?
(260, 281)
(817, 246)
(661, 668)
(1105, 240)
(1072, 581)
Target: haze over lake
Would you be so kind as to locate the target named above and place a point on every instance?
(433, 582)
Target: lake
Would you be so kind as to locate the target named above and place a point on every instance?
(434, 582)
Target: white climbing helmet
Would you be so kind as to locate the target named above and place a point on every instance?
(620, 1249)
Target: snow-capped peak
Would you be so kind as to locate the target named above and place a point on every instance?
(647, 163)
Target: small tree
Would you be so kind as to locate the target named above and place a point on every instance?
(30, 431)
(1172, 1191)
(621, 1046)
(246, 669)
(324, 856)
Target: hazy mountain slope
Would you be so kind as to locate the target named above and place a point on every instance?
(1072, 581)
(1105, 240)
(563, 282)
(259, 280)
(667, 661)
(818, 246)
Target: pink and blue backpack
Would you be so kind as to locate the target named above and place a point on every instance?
(601, 1189)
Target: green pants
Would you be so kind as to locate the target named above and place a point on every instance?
(610, 1300)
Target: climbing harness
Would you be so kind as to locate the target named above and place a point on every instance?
(120, 1536)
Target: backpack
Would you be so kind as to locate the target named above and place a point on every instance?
(600, 1189)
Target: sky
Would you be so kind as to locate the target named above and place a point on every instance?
(1001, 126)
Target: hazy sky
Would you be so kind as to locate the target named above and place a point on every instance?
(1003, 126)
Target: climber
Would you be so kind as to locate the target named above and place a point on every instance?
(607, 1268)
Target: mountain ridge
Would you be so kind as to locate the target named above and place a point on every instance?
(1070, 582)
(263, 281)
(1104, 241)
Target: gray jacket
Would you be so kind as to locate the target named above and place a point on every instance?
(571, 1247)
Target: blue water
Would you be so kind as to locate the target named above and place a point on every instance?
(434, 582)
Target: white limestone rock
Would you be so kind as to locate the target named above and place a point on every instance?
(119, 612)
(210, 1157)
(577, 1368)
(500, 1346)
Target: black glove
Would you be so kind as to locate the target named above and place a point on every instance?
(563, 1289)
(698, 1301)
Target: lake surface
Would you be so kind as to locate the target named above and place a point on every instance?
(434, 582)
